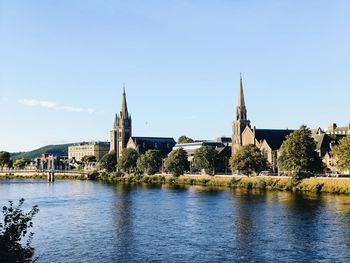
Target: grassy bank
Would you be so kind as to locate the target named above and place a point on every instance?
(315, 185)
(42, 176)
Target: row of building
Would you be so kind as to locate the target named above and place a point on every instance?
(269, 141)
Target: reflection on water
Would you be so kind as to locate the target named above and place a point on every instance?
(82, 221)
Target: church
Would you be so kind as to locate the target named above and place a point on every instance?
(121, 136)
(268, 141)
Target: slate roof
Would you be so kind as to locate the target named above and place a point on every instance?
(163, 144)
(274, 138)
(323, 142)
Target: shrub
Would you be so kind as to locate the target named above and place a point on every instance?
(15, 227)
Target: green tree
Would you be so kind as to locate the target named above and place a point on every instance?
(177, 162)
(206, 158)
(342, 154)
(19, 164)
(128, 160)
(184, 139)
(4, 159)
(150, 162)
(298, 153)
(248, 160)
(88, 159)
(108, 162)
(12, 230)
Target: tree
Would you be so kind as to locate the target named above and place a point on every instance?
(12, 230)
(342, 154)
(88, 159)
(205, 158)
(298, 153)
(128, 160)
(4, 159)
(248, 160)
(177, 162)
(184, 139)
(150, 162)
(109, 162)
(19, 164)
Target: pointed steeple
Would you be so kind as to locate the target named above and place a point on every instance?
(241, 102)
(124, 110)
(241, 113)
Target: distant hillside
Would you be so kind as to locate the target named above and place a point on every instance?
(56, 150)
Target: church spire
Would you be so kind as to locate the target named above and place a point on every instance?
(241, 102)
(124, 111)
(241, 121)
(241, 109)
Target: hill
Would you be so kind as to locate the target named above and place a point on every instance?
(56, 150)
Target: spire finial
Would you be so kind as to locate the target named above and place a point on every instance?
(123, 88)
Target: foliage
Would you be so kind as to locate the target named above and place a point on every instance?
(184, 139)
(88, 159)
(4, 159)
(248, 159)
(56, 150)
(150, 162)
(206, 158)
(15, 227)
(108, 162)
(19, 164)
(298, 153)
(177, 162)
(128, 160)
(342, 154)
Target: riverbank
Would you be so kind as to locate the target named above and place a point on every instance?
(315, 185)
(42, 176)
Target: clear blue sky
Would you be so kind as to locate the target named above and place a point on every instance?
(63, 64)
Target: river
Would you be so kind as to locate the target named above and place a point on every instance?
(86, 221)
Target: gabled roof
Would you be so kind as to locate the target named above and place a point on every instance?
(274, 138)
(152, 139)
(163, 144)
(317, 131)
(322, 141)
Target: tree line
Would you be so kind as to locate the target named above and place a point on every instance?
(297, 156)
(205, 159)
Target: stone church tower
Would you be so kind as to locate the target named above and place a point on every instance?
(121, 131)
(241, 121)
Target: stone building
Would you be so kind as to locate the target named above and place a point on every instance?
(122, 129)
(143, 144)
(241, 121)
(268, 141)
(97, 149)
(333, 129)
(48, 162)
(121, 135)
(221, 145)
